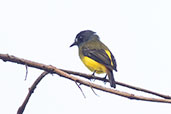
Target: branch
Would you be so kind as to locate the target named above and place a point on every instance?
(51, 69)
(87, 76)
(31, 90)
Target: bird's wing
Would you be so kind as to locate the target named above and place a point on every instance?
(99, 55)
(114, 62)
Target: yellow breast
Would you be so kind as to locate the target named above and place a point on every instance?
(93, 65)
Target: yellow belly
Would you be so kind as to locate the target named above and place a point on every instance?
(93, 65)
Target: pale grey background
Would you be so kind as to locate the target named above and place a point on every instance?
(136, 31)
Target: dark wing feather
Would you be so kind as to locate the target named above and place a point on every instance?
(114, 62)
(98, 55)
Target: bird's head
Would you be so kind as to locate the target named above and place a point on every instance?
(83, 37)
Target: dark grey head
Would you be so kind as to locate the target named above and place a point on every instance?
(82, 37)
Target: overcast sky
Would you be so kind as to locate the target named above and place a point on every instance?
(138, 32)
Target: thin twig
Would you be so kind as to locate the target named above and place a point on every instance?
(80, 89)
(94, 91)
(31, 90)
(26, 72)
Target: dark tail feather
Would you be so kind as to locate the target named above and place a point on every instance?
(111, 78)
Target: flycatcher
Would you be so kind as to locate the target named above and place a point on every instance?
(95, 55)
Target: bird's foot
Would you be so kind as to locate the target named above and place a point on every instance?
(105, 80)
(93, 76)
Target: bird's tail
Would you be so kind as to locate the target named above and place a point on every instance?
(111, 78)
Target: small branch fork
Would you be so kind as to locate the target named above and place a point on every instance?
(66, 74)
(31, 90)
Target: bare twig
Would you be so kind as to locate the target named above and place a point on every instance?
(26, 72)
(31, 90)
(51, 69)
(94, 91)
(80, 89)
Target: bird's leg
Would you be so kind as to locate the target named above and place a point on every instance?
(105, 79)
(93, 75)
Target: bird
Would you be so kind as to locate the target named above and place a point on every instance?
(95, 55)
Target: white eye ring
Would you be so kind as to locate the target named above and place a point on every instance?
(76, 40)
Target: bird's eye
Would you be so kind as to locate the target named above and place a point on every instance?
(80, 38)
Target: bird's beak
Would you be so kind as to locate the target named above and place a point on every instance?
(73, 44)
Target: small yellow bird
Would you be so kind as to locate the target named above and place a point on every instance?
(95, 55)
